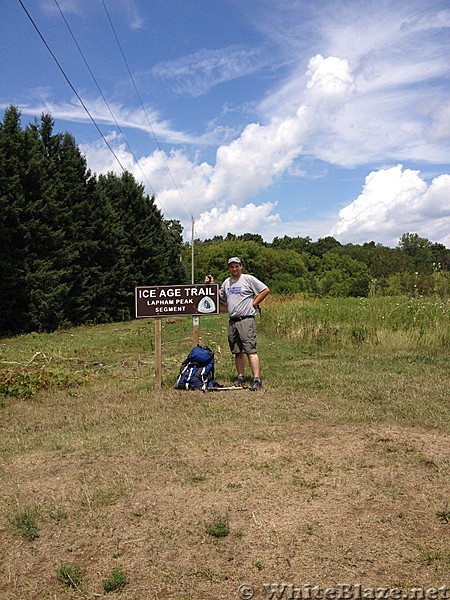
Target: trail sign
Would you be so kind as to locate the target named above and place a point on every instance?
(177, 300)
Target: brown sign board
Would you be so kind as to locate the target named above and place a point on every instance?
(177, 300)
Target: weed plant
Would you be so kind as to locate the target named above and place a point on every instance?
(70, 575)
(23, 383)
(219, 527)
(26, 524)
(116, 581)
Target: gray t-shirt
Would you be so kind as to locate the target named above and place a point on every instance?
(239, 295)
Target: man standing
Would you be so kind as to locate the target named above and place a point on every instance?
(243, 294)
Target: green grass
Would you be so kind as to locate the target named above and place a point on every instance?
(346, 322)
(369, 360)
(315, 324)
(363, 360)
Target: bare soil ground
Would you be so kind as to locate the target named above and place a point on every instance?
(121, 477)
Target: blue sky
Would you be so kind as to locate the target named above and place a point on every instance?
(277, 117)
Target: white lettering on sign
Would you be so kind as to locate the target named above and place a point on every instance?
(174, 292)
(163, 309)
(198, 291)
(170, 292)
(147, 293)
(170, 301)
(156, 302)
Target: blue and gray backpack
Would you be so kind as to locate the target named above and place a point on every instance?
(197, 370)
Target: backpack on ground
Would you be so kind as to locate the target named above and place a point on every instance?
(197, 370)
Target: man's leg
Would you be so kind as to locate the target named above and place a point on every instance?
(239, 359)
(253, 360)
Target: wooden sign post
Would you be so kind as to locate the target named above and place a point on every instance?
(158, 353)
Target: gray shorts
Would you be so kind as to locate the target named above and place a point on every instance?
(242, 336)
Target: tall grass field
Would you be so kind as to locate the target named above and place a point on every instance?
(336, 473)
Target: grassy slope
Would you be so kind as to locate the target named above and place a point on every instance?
(336, 473)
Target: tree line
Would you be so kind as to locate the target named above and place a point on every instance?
(327, 268)
(73, 246)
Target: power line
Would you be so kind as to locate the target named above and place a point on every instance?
(98, 87)
(70, 84)
(106, 103)
(145, 112)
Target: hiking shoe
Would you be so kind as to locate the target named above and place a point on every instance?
(239, 381)
(257, 385)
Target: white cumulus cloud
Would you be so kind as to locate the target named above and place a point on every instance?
(329, 77)
(396, 201)
(250, 218)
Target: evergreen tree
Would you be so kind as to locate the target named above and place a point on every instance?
(13, 300)
(107, 295)
(54, 186)
(149, 247)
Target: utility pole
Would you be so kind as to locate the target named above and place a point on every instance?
(196, 319)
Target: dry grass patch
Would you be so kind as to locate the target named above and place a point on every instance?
(134, 478)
